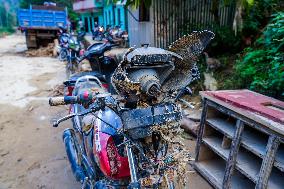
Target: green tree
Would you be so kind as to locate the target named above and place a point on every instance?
(261, 68)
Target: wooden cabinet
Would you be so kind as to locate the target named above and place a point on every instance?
(235, 150)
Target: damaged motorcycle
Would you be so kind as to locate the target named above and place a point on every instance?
(133, 141)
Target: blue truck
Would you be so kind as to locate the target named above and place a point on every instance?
(41, 24)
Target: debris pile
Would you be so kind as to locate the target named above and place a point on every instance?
(42, 51)
(58, 90)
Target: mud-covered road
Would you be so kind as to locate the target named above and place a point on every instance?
(31, 151)
(32, 154)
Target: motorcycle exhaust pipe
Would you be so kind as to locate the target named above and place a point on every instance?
(69, 139)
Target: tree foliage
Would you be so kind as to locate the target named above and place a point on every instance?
(262, 67)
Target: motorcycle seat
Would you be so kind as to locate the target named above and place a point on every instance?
(99, 48)
(72, 80)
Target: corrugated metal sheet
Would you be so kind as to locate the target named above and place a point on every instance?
(174, 18)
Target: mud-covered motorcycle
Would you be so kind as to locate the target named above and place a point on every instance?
(74, 48)
(133, 142)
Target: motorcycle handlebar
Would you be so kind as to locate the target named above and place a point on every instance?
(56, 101)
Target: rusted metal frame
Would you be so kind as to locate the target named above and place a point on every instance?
(230, 166)
(201, 128)
(267, 163)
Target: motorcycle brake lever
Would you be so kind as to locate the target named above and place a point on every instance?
(56, 123)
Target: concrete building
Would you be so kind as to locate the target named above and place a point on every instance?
(102, 13)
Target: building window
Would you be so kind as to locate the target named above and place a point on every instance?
(144, 13)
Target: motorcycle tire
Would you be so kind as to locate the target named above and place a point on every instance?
(71, 148)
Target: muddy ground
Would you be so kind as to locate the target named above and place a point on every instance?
(32, 154)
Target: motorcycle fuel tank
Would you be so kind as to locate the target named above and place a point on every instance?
(112, 162)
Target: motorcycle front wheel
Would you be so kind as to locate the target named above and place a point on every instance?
(75, 158)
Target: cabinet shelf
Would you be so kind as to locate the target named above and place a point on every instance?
(276, 179)
(226, 127)
(279, 159)
(214, 143)
(254, 141)
(242, 163)
(248, 164)
(215, 169)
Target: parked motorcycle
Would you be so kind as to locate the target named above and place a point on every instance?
(105, 65)
(98, 33)
(62, 48)
(119, 35)
(110, 34)
(133, 143)
(75, 47)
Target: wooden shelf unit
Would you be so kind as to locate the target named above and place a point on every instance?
(234, 151)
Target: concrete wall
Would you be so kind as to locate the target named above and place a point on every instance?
(140, 32)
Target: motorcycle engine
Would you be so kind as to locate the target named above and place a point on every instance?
(141, 74)
(148, 74)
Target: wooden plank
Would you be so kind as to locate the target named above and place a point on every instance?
(227, 128)
(201, 129)
(267, 162)
(230, 166)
